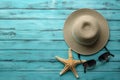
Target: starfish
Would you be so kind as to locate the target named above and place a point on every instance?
(70, 63)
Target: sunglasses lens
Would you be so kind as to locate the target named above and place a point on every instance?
(89, 64)
(105, 56)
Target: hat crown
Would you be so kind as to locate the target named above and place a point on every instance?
(85, 30)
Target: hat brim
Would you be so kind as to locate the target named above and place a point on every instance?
(103, 36)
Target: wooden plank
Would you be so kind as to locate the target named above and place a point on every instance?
(93, 76)
(50, 14)
(55, 66)
(55, 76)
(42, 35)
(29, 39)
(29, 75)
(37, 60)
(16, 29)
(47, 55)
(42, 25)
(46, 45)
(59, 4)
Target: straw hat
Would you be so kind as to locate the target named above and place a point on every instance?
(86, 31)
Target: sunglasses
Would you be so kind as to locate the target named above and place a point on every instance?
(102, 58)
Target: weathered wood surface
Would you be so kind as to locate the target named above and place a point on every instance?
(27, 75)
(31, 36)
(50, 14)
(59, 4)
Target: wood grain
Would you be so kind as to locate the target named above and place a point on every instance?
(55, 75)
(46, 45)
(55, 35)
(49, 14)
(37, 60)
(43, 25)
(59, 4)
(47, 56)
(31, 36)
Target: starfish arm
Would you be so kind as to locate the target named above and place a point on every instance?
(79, 61)
(60, 59)
(75, 72)
(70, 53)
(66, 68)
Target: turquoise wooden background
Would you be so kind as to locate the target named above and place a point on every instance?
(31, 36)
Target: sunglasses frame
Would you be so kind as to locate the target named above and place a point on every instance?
(89, 63)
(104, 57)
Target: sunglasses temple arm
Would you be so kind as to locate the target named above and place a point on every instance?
(84, 69)
(106, 49)
(79, 57)
(112, 55)
(109, 51)
(80, 60)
